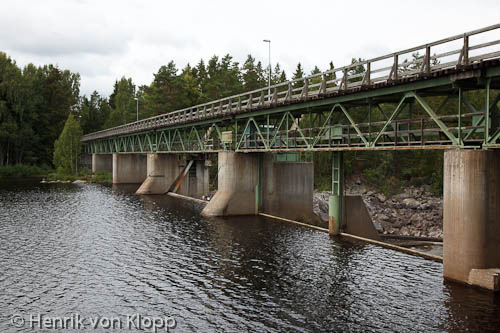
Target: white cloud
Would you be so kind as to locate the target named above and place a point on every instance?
(104, 40)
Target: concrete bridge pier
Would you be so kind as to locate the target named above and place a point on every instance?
(471, 217)
(237, 178)
(287, 188)
(164, 172)
(255, 182)
(102, 162)
(129, 168)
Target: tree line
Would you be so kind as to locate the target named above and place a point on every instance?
(36, 101)
(34, 104)
(173, 89)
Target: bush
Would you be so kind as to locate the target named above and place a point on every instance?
(22, 170)
(84, 174)
(102, 177)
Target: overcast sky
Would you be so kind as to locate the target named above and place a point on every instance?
(105, 40)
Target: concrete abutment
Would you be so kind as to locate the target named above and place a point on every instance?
(163, 170)
(102, 162)
(285, 188)
(129, 168)
(471, 216)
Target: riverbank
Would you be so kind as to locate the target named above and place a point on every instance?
(22, 170)
(99, 177)
(414, 212)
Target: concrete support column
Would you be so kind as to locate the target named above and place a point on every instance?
(286, 187)
(162, 171)
(129, 168)
(102, 162)
(471, 213)
(236, 185)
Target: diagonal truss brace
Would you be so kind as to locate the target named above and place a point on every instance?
(252, 120)
(435, 118)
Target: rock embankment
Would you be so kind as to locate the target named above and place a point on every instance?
(414, 212)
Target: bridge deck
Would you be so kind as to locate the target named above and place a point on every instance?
(387, 106)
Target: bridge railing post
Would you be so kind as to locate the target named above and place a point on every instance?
(466, 49)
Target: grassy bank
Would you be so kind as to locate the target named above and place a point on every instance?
(85, 175)
(22, 170)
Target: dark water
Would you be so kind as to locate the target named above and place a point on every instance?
(98, 251)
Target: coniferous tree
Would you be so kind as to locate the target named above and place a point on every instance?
(316, 79)
(298, 74)
(279, 75)
(125, 105)
(332, 76)
(93, 112)
(200, 75)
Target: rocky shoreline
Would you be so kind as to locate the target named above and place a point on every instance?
(414, 212)
(78, 181)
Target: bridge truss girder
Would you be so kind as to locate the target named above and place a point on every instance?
(433, 114)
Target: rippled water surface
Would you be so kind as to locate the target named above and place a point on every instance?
(102, 251)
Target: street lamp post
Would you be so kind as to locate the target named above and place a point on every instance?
(137, 100)
(269, 89)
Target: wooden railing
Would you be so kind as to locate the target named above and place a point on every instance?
(390, 67)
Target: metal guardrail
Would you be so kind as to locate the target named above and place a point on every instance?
(377, 70)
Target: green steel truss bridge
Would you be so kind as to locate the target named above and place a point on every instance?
(394, 101)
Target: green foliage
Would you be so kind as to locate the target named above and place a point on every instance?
(93, 112)
(68, 147)
(333, 75)
(34, 104)
(123, 110)
(101, 177)
(317, 79)
(23, 170)
(298, 74)
(253, 75)
(356, 70)
(278, 76)
(389, 172)
(85, 174)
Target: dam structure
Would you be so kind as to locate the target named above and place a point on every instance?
(377, 104)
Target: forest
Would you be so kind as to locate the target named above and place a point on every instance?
(35, 102)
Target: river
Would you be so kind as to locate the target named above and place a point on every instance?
(101, 251)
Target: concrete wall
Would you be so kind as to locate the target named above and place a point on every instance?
(162, 171)
(196, 182)
(357, 220)
(287, 187)
(129, 168)
(471, 212)
(202, 179)
(102, 162)
(236, 185)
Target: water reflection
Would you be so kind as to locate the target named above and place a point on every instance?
(470, 309)
(103, 250)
